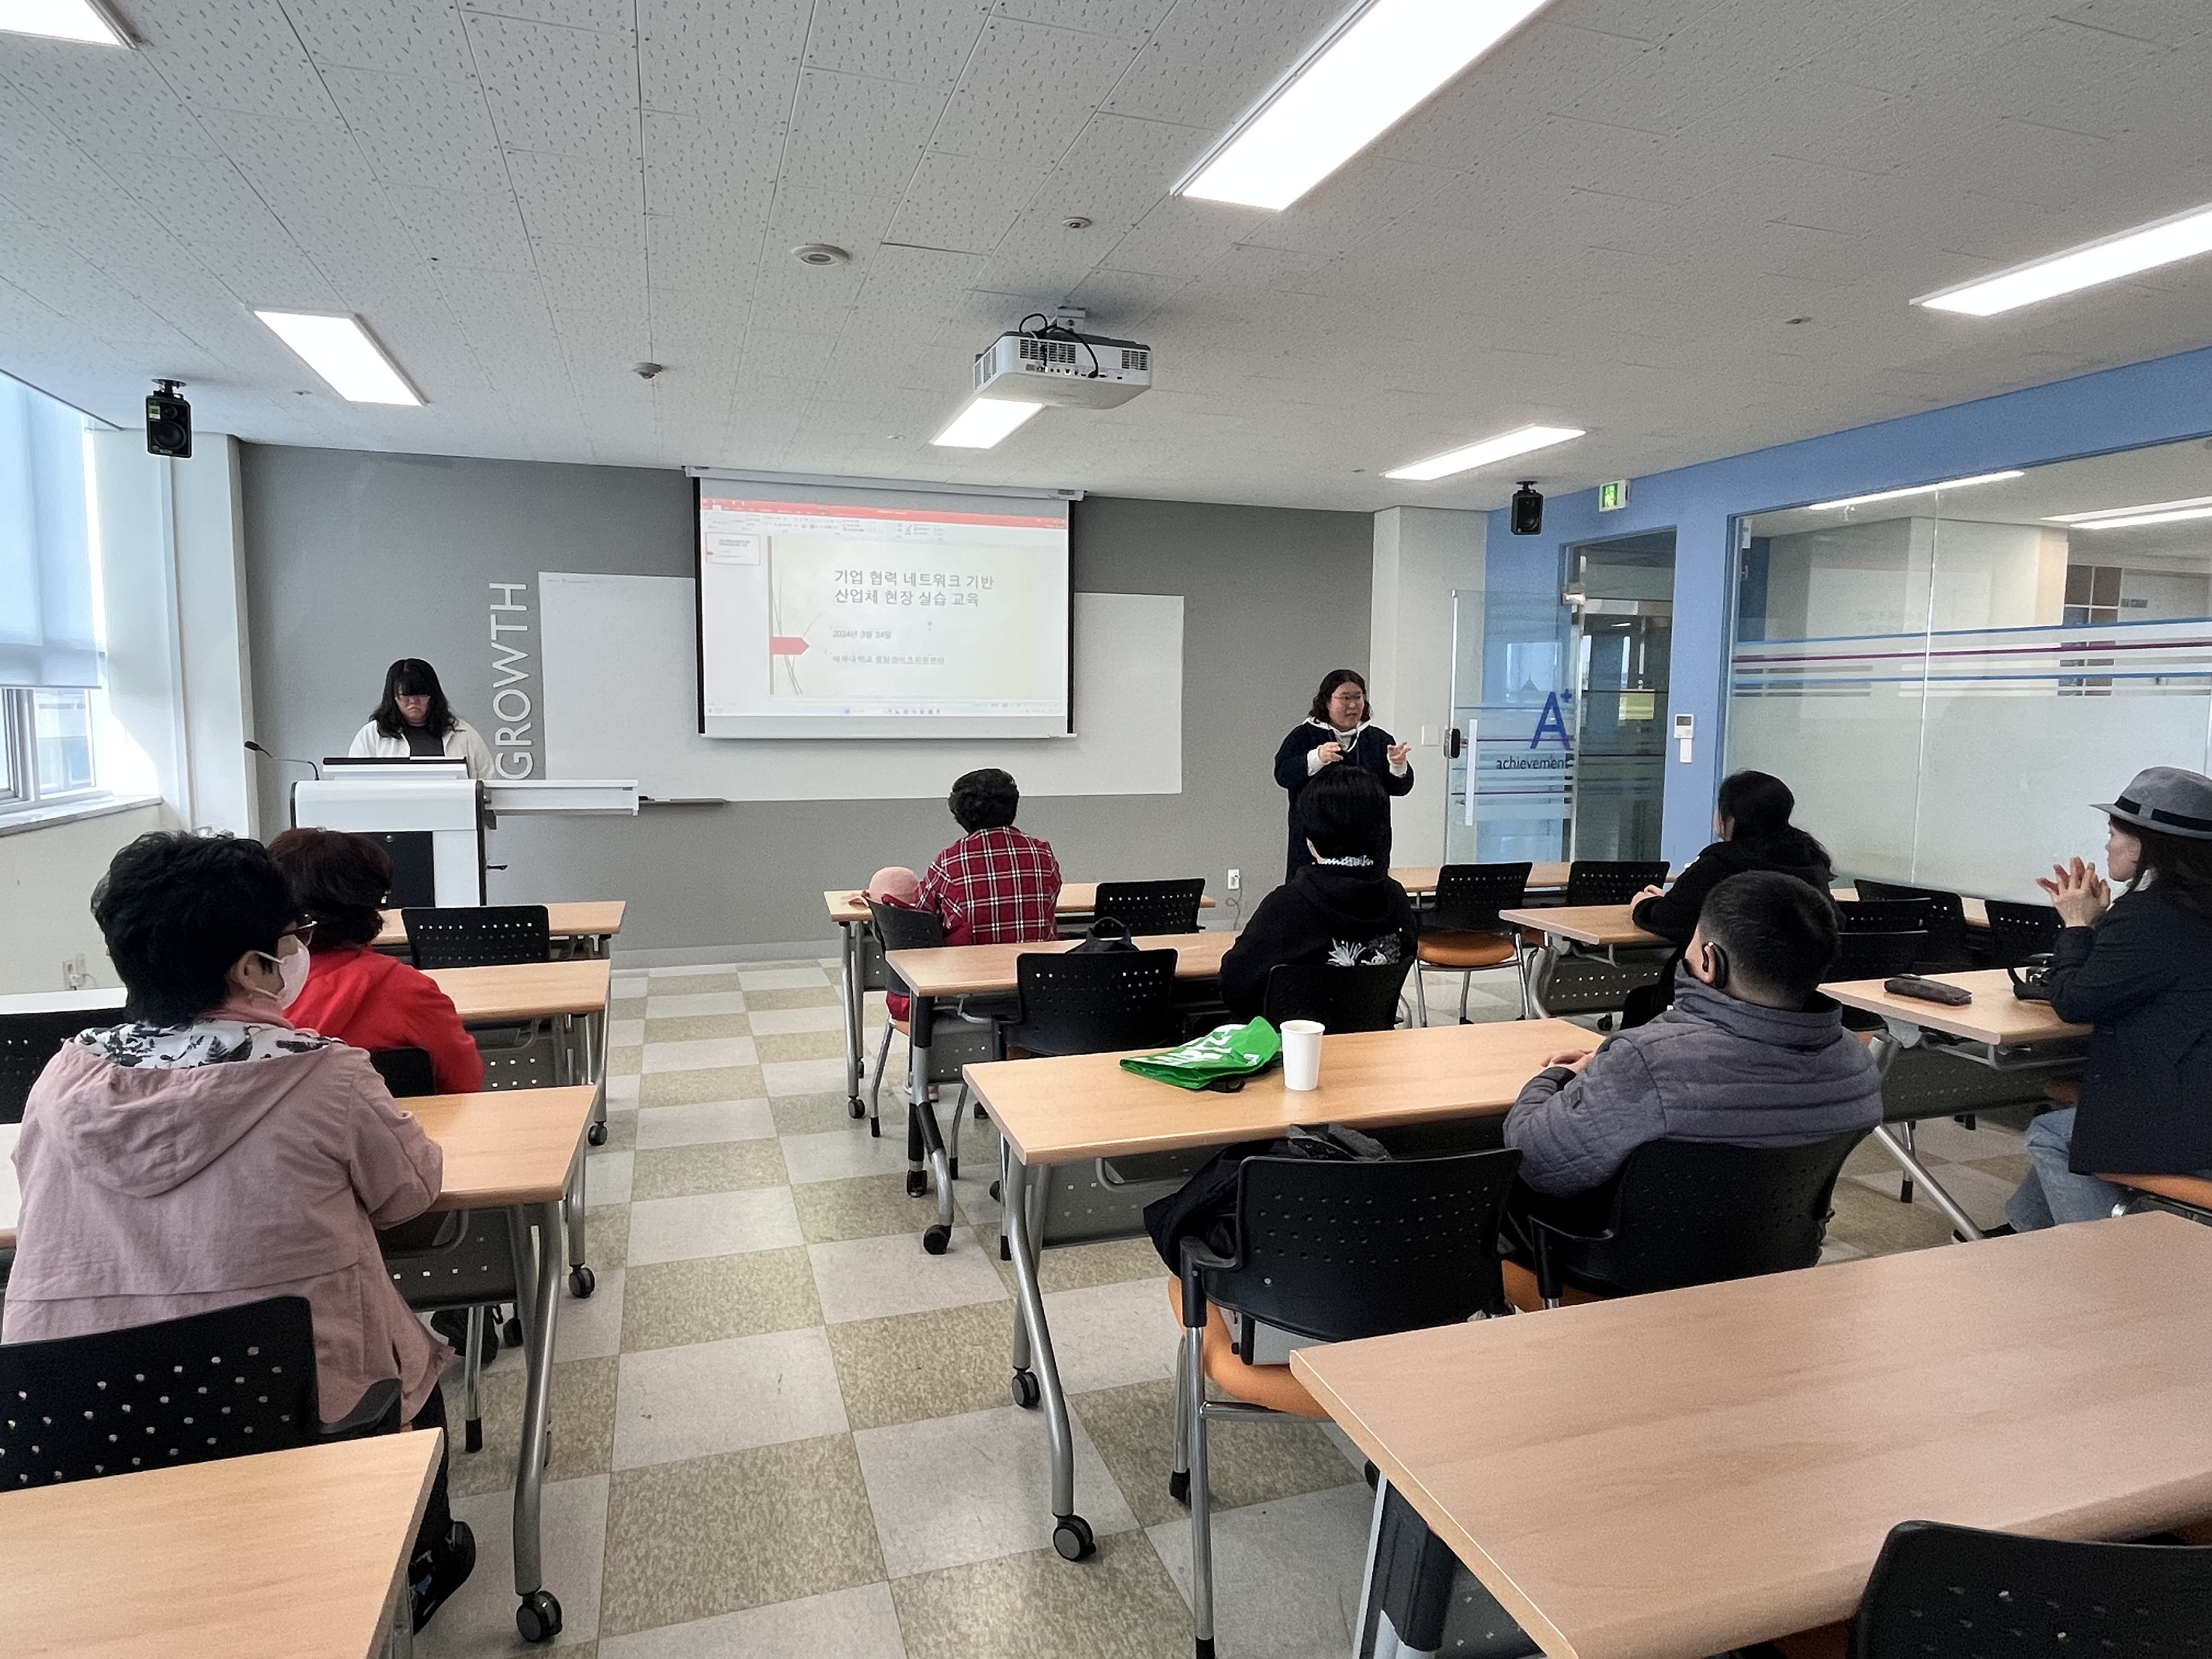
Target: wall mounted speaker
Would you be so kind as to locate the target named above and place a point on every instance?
(1528, 510)
(168, 421)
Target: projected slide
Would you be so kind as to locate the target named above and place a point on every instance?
(838, 618)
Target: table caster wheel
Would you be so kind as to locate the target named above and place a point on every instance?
(917, 1184)
(1005, 1250)
(1025, 1390)
(596, 1134)
(538, 1618)
(1179, 1485)
(952, 1168)
(472, 1435)
(875, 1129)
(510, 1335)
(995, 1192)
(1072, 1539)
(936, 1239)
(854, 1107)
(582, 1281)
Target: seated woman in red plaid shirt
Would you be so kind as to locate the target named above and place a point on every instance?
(995, 884)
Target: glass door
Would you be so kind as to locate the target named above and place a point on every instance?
(1621, 595)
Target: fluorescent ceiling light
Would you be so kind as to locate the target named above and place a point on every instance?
(2184, 236)
(1506, 444)
(984, 422)
(341, 350)
(60, 19)
(1916, 489)
(2120, 518)
(1373, 68)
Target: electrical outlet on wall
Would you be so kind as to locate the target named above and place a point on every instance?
(1236, 881)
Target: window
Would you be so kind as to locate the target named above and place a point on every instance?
(46, 746)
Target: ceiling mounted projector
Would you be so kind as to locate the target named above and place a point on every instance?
(1059, 366)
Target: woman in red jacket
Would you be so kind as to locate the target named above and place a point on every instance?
(353, 993)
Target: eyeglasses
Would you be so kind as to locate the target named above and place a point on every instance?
(302, 930)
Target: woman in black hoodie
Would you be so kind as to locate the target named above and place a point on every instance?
(1343, 908)
(1751, 818)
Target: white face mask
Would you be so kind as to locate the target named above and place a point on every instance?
(291, 975)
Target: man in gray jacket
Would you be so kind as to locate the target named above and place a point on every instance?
(1750, 1053)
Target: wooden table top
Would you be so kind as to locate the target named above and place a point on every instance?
(1664, 1476)
(966, 969)
(1421, 879)
(576, 919)
(526, 990)
(1077, 898)
(1062, 1110)
(287, 1555)
(1994, 1015)
(503, 1148)
(1585, 924)
(1977, 910)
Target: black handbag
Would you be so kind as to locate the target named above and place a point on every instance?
(2031, 981)
(1107, 934)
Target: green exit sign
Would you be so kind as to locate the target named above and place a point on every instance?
(1612, 497)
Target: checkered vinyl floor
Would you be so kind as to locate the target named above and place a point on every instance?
(780, 1428)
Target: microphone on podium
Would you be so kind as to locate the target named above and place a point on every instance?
(285, 759)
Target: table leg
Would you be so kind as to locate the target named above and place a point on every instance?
(1071, 1533)
(590, 1053)
(538, 1610)
(924, 1141)
(582, 1279)
(1886, 1048)
(855, 1032)
(1540, 962)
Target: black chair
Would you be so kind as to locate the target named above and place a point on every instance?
(1461, 931)
(478, 936)
(1363, 998)
(1612, 881)
(1330, 1252)
(28, 1041)
(1690, 1212)
(958, 1035)
(1945, 1592)
(1877, 955)
(1152, 907)
(1948, 942)
(2018, 932)
(1882, 916)
(192, 1390)
(406, 1071)
(1092, 1002)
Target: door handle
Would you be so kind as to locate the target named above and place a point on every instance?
(1453, 744)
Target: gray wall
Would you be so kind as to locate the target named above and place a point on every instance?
(354, 559)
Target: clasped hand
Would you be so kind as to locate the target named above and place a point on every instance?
(2077, 892)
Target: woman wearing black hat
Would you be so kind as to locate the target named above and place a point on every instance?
(1338, 729)
(2138, 970)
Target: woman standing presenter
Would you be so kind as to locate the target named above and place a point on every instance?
(1336, 730)
(414, 721)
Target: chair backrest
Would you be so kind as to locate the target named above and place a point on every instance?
(1364, 998)
(1093, 1002)
(2018, 932)
(1877, 955)
(1698, 1212)
(406, 1071)
(188, 1390)
(1946, 920)
(1470, 895)
(1612, 881)
(519, 1056)
(1883, 915)
(1339, 1251)
(1152, 907)
(898, 928)
(28, 1041)
(478, 936)
(1945, 1592)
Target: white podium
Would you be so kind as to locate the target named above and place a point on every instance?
(431, 816)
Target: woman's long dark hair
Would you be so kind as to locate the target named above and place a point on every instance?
(1335, 678)
(2181, 864)
(1757, 806)
(410, 676)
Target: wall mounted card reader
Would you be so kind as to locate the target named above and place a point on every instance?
(1686, 732)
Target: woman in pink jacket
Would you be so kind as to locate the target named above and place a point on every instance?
(205, 1153)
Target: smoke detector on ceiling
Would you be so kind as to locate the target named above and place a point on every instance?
(820, 253)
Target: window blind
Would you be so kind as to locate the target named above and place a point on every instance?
(49, 624)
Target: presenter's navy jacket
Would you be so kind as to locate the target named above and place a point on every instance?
(1368, 752)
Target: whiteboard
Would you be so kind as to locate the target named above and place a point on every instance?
(619, 657)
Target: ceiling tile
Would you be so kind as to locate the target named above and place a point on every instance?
(739, 63)
(461, 227)
(573, 199)
(712, 253)
(419, 134)
(698, 168)
(1124, 20)
(401, 37)
(1205, 67)
(232, 54)
(924, 43)
(962, 203)
(1028, 91)
(567, 91)
(858, 136)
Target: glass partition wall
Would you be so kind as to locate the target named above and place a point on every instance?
(1948, 677)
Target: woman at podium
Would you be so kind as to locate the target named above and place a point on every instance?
(414, 721)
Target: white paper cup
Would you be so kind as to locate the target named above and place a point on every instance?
(1302, 1053)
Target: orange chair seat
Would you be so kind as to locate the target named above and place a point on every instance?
(2192, 1190)
(903, 1027)
(1465, 950)
(1272, 1386)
